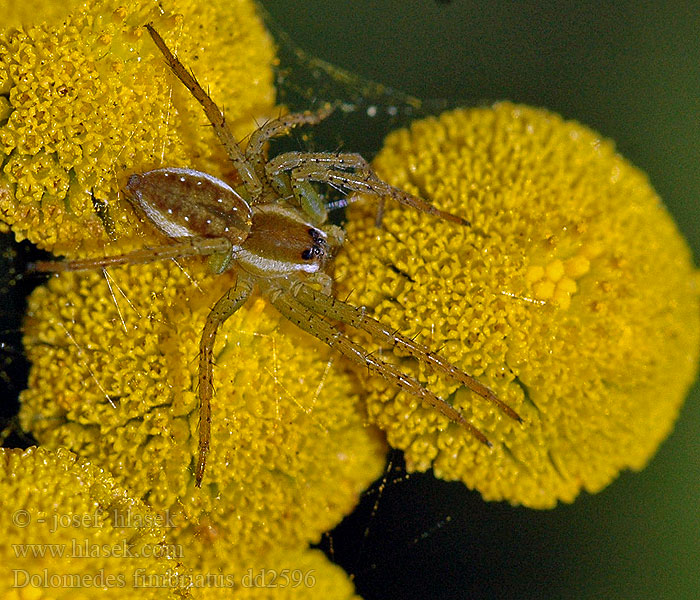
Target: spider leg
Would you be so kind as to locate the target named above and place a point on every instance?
(181, 248)
(225, 306)
(368, 182)
(340, 160)
(276, 128)
(356, 317)
(214, 114)
(317, 326)
(303, 190)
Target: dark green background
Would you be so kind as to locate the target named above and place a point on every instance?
(630, 70)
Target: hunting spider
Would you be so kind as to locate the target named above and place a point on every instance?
(274, 233)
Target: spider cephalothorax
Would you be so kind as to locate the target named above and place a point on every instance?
(273, 231)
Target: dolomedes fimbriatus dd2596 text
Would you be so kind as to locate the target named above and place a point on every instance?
(273, 232)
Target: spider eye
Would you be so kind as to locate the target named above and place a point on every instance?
(318, 247)
(312, 252)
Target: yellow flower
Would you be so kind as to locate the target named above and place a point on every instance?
(71, 530)
(88, 100)
(114, 378)
(572, 294)
(68, 528)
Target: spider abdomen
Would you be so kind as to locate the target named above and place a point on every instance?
(189, 203)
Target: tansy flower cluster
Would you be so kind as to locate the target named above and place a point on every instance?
(94, 527)
(114, 378)
(572, 294)
(71, 532)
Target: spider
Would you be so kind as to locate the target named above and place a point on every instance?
(274, 233)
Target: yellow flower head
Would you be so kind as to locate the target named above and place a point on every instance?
(572, 294)
(114, 378)
(70, 531)
(88, 100)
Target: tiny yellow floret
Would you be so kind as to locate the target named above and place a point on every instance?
(577, 266)
(544, 290)
(572, 294)
(555, 270)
